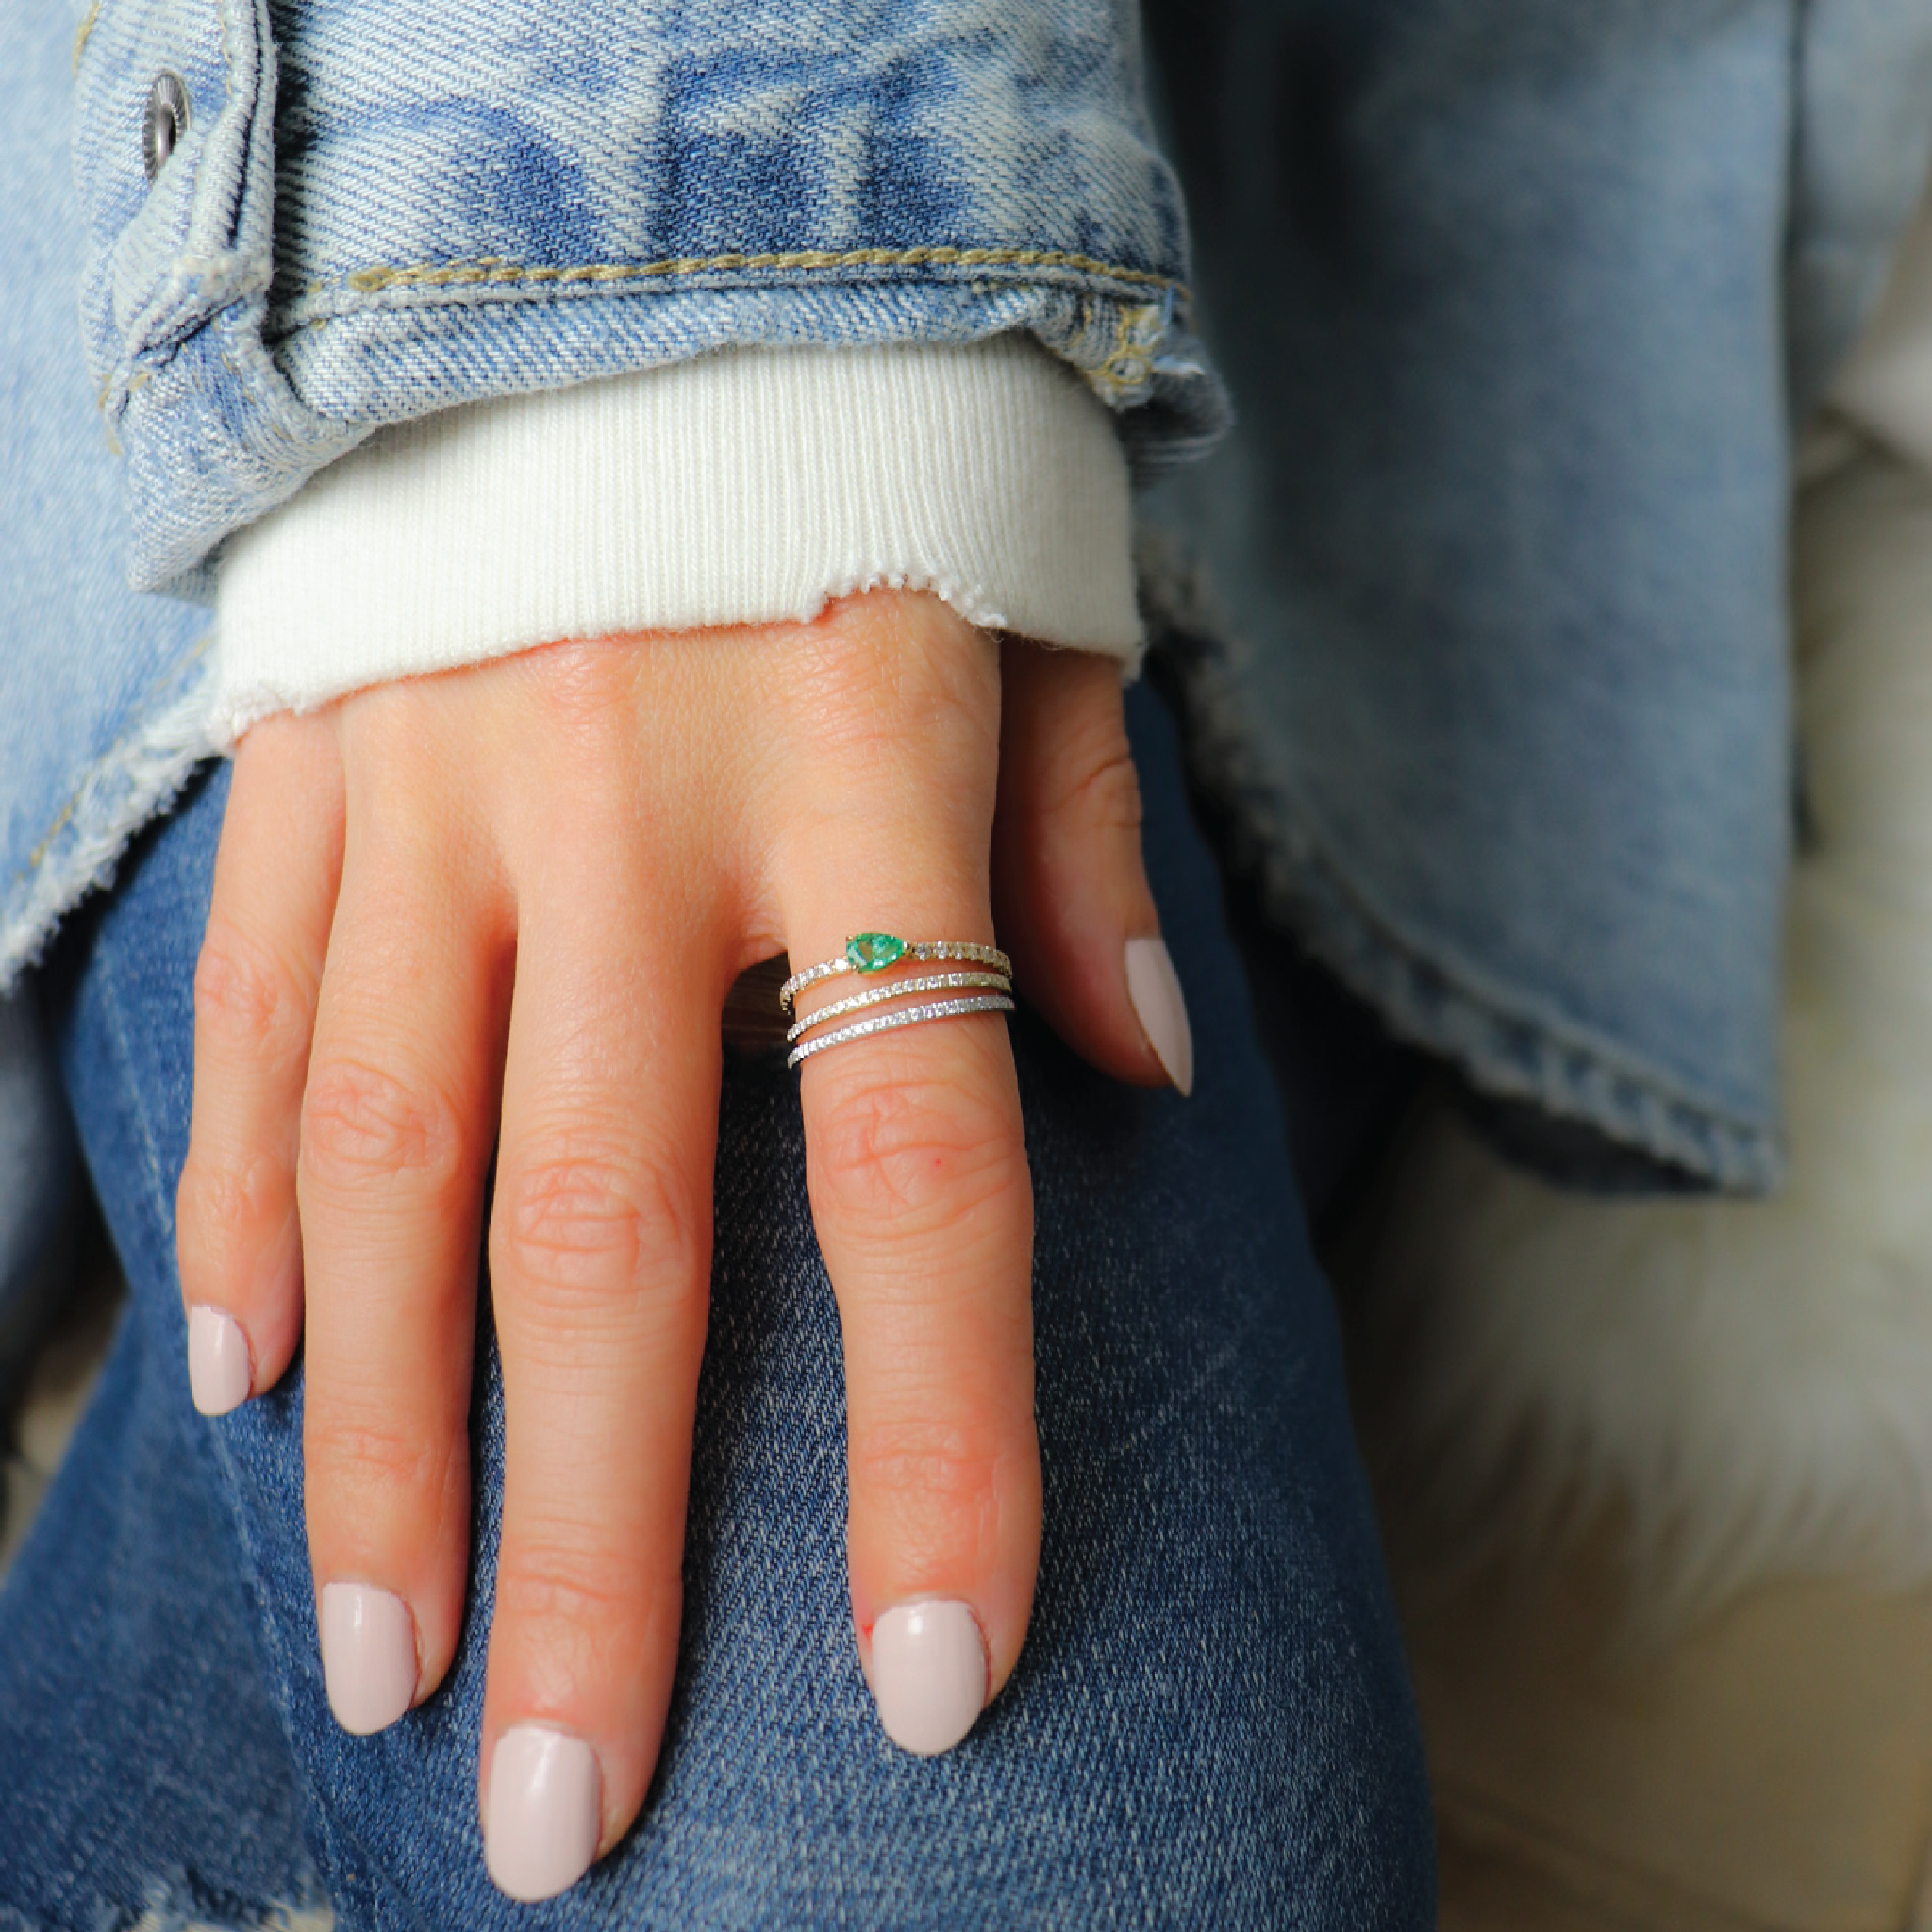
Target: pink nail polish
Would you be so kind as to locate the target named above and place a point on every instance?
(218, 1371)
(368, 1655)
(928, 1674)
(1155, 987)
(539, 1833)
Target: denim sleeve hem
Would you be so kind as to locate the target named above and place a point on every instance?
(1504, 1040)
(167, 736)
(335, 242)
(221, 429)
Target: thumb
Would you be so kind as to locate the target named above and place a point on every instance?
(1070, 891)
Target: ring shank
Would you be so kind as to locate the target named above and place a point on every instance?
(905, 1016)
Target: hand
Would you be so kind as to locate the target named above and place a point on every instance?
(500, 910)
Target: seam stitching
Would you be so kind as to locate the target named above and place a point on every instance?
(85, 32)
(491, 269)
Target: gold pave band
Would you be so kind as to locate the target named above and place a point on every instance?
(874, 951)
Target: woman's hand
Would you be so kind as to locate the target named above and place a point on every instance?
(498, 912)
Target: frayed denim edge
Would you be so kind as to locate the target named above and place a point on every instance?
(138, 778)
(179, 1904)
(1499, 1046)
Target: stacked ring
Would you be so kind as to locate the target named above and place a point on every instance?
(986, 990)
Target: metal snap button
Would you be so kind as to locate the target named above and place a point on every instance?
(164, 124)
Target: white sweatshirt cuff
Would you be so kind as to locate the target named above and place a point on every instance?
(746, 487)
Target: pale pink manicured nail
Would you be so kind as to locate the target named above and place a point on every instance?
(217, 1361)
(1155, 988)
(540, 1834)
(368, 1655)
(928, 1674)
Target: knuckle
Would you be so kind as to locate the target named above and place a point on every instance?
(359, 1460)
(583, 692)
(582, 1596)
(930, 1455)
(362, 1124)
(868, 668)
(223, 1210)
(947, 1484)
(1101, 787)
(911, 1155)
(244, 1001)
(576, 1221)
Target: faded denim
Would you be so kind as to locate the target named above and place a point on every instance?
(1484, 601)
(377, 212)
(1210, 1723)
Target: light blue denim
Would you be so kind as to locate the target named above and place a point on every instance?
(1484, 605)
(376, 213)
(380, 212)
(1210, 1727)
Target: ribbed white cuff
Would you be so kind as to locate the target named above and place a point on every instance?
(745, 486)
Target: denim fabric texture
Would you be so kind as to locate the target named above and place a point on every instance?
(372, 215)
(1210, 1723)
(40, 1176)
(101, 689)
(1485, 598)
(376, 213)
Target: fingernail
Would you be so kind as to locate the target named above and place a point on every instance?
(217, 1361)
(368, 1655)
(541, 1833)
(1155, 988)
(928, 1674)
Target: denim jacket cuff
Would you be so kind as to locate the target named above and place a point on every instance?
(365, 215)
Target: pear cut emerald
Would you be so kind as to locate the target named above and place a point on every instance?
(872, 952)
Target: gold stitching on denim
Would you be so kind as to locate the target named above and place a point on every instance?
(1129, 366)
(492, 271)
(83, 31)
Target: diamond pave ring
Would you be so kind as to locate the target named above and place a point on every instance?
(985, 987)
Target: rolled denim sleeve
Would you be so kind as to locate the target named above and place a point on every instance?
(373, 212)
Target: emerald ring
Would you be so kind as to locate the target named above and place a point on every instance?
(878, 952)
(985, 987)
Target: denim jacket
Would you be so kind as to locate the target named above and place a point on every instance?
(1483, 605)
(368, 212)
(365, 211)
(1480, 611)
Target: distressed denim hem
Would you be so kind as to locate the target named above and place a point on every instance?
(118, 795)
(180, 1905)
(1497, 1039)
(282, 414)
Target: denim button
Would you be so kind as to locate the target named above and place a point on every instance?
(164, 124)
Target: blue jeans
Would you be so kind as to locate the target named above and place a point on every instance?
(1211, 1724)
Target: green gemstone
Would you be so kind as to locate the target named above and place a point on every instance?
(872, 952)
